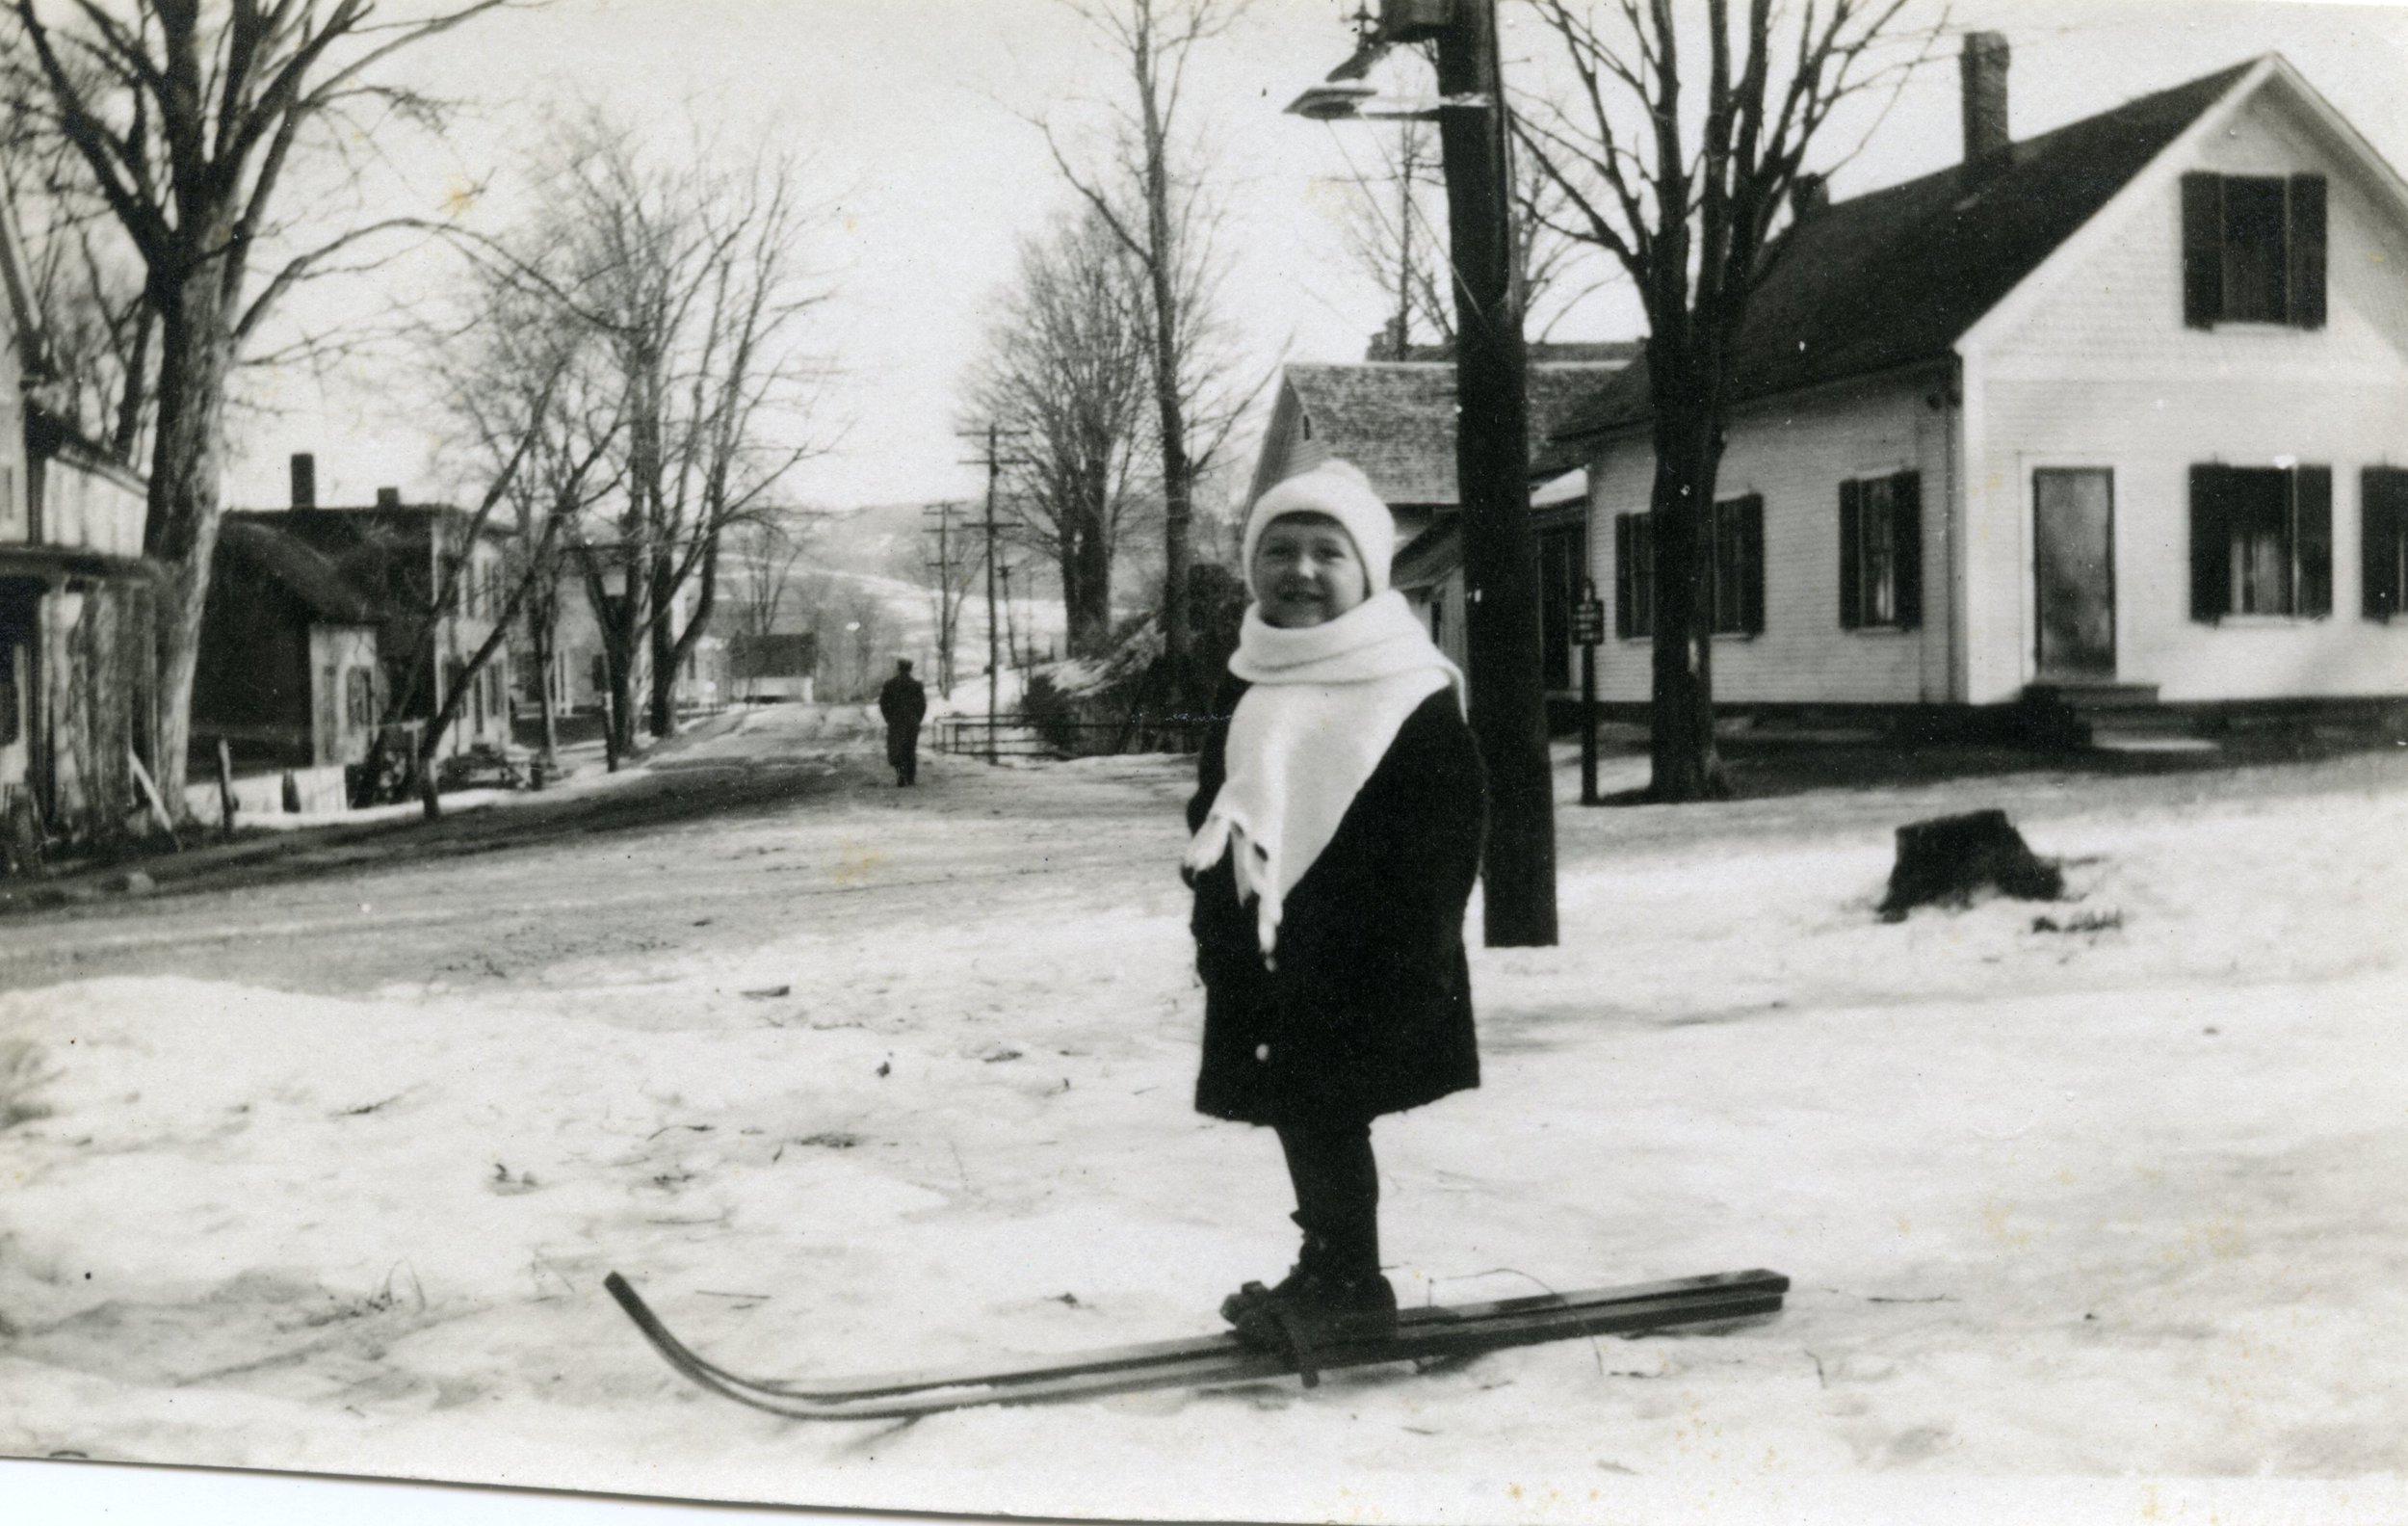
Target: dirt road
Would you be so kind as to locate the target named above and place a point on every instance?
(723, 845)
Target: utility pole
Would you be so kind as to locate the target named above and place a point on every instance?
(994, 460)
(1501, 634)
(948, 606)
(994, 469)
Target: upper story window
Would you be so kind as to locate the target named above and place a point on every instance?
(2253, 249)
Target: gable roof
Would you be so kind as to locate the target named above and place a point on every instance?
(1898, 276)
(1396, 418)
(307, 574)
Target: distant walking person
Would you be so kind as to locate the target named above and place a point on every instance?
(1337, 820)
(903, 701)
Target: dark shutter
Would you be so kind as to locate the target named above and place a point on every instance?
(1851, 565)
(1906, 536)
(2211, 546)
(1622, 539)
(2307, 250)
(2203, 249)
(2380, 492)
(1752, 565)
(2311, 538)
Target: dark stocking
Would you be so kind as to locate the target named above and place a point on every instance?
(1337, 1196)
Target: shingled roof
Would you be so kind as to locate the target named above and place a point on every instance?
(1898, 276)
(1396, 418)
(308, 575)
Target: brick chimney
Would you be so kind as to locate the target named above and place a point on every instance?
(304, 479)
(1810, 194)
(1982, 67)
(389, 497)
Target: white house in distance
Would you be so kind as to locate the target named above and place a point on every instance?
(2110, 421)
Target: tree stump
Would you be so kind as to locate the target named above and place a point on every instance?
(1949, 858)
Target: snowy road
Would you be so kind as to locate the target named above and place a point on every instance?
(849, 1077)
(711, 849)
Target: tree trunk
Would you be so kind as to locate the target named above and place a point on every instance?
(706, 580)
(542, 642)
(196, 352)
(1685, 765)
(1162, 270)
(661, 711)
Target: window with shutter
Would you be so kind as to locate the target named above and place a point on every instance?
(1634, 576)
(2261, 542)
(2253, 249)
(2382, 542)
(1882, 552)
(1736, 563)
(1624, 626)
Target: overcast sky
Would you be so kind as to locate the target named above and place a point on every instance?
(914, 114)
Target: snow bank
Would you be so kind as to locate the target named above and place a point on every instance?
(2112, 1202)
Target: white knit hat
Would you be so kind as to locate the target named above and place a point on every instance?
(1339, 490)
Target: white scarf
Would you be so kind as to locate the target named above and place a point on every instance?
(1326, 703)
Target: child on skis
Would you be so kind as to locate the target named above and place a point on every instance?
(1337, 825)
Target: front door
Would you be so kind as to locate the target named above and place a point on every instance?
(2074, 559)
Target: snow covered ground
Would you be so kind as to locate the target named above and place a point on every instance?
(2104, 1211)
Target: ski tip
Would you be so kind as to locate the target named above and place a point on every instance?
(620, 1288)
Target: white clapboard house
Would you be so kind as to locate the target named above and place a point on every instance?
(2108, 422)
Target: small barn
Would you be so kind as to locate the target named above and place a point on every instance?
(774, 665)
(288, 675)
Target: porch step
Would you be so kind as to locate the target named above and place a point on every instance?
(2110, 717)
(2093, 697)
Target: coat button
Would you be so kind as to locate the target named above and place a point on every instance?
(1262, 1051)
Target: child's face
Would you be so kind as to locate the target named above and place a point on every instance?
(1306, 571)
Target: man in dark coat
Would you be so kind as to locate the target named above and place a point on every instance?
(903, 701)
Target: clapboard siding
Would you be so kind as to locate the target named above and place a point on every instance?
(1795, 453)
(2100, 371)
(2151, 440)
(2114, 307)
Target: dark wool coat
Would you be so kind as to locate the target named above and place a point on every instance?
(901, 702)
(1368, 1007)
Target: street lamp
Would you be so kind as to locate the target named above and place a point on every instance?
(1501, 635)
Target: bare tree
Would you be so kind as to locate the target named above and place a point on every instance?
(1155, 207)
(1066, 372)
(1395, 229)
(97, 328)
(946, 561)
(187, 119)
(691, 274)
(1685, 190)
(540, 426)
(763, 555)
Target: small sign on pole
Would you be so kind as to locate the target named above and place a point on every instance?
(1588, 631)
(1588, 622)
